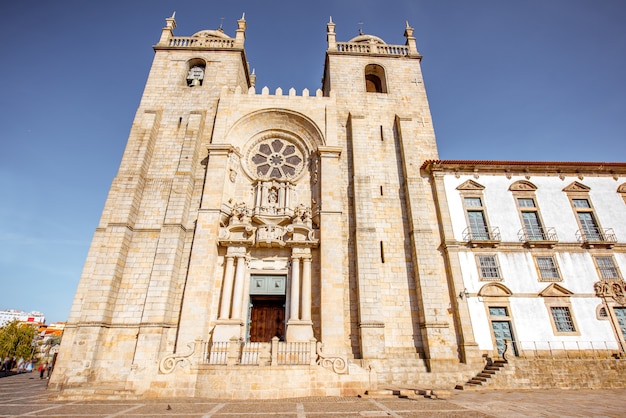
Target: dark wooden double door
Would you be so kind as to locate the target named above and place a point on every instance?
(267, 318)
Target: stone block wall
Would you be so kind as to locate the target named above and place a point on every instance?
(522, 373)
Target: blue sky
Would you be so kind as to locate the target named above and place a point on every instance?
(507, 80)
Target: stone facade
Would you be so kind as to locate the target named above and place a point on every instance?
(273, 245)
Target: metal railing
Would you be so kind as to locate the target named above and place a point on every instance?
(537, 234)
(563, 349)
(486, 234)
(596, 236)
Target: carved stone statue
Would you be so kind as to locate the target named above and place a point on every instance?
(239, 214)
(302, 214)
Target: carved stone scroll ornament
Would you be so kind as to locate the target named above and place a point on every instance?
(611, 289)
(239, 229)
(171, 361)
(337, 364)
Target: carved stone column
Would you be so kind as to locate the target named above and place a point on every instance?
(300, 327)
(295, 289)
(239, 287)
(231, 321)
(306, 289)
(227, 288)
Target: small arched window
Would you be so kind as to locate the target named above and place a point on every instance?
(375, 81)
(195, 75)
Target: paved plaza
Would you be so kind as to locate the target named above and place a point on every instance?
(24, 395)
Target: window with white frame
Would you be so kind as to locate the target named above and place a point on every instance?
(548, 269)
(562, 317)
(606, 267)
(488, 267)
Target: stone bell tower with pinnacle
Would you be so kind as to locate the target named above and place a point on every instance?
(293, 233)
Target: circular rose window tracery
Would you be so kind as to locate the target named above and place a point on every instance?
(276, 158)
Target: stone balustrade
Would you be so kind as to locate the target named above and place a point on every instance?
(239, 353)
(363, 48)
(191, 42)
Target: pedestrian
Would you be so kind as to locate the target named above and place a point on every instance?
(5, 363)
(42, 369)
(49, 371)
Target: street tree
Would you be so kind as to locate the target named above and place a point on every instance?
(16, 339)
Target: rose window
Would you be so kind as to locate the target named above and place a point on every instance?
(277, 158)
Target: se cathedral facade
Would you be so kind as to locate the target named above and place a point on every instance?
(278, 245)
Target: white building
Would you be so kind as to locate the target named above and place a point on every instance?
(536, 251)
(9, 315)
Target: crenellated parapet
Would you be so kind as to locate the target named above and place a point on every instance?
(265, 91)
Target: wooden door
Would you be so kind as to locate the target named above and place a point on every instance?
(267, 319)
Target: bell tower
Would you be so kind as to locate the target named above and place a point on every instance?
(389, 134)
(126, 311)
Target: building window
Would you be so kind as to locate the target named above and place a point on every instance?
(498, 311)
(275, 158)
(587, 219)
(478, 232)
(590, 233)
(488, 267)
(562, 319)
(606, 267)
(476, 218)
(559, 309)
(530, 217)
(548, 269)
(533, 230)
(589, 228)
(375, 79)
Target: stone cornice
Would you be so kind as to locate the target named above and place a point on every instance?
(525, 167)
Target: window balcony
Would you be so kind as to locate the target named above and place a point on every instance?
(538, 237)
(484, 237)
(603, 238)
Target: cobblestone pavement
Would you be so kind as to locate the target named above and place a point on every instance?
(25, 395)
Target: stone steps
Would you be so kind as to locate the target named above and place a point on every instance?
(483, 378)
